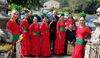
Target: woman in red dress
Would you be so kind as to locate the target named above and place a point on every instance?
(69, 21)
(13, 26)
(34, 30)
(25, 42)
(81, 33)
(45, 34)
(60, 36)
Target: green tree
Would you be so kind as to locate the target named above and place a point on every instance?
(88, 6)
(98, 3)
(25, 3)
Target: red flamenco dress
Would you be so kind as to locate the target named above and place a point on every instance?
(14, 29)
(80, 43)
(68, 22)
(60, 38)
(25, 42)
(45, 44)
(34, 30)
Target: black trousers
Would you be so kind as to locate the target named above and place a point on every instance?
(52, 40)
(65, 47)
(70, 36)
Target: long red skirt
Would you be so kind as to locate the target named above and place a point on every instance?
(35, 45)
(59, 43)
(78, 51)
(25, 45)
(45, 46)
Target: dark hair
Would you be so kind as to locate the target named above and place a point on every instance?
(18, 21)
(62, 14)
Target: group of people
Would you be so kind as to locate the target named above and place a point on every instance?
(51, 36)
